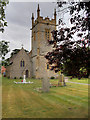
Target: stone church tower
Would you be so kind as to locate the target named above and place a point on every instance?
(41, 33)
(34, 64)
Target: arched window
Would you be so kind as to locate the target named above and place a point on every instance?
(21, 63)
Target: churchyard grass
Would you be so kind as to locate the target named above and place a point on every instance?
(23, 101)
(82, 80)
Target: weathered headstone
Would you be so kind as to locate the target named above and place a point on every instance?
(66, 79)
(45, 83)
(61, 81)
(64, 82)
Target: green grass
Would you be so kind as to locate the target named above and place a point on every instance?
(82, 80)
(23, 101)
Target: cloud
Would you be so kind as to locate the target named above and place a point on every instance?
(18, 16)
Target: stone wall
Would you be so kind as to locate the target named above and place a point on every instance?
(40, 47)
(15, 70)
(42, 69)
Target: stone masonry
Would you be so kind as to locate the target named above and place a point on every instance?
(41, 33)
(35, 63)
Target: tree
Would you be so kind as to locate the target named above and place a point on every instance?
(5, 62)
(3, 22)
(69, 54)
(4, 49)
(15, 51)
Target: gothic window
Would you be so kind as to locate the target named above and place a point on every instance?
(22, 63)
(47, 34)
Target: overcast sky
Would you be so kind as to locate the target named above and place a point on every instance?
(18, 16)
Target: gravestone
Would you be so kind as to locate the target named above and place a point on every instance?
(66, 79)
(45, 83)
(61, 81)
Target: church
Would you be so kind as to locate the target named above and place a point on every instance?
(34, 64)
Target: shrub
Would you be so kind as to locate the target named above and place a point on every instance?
(8, 77)
(33, 77)
(14, 77)
(52, 77)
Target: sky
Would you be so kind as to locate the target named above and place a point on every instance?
(18, 16)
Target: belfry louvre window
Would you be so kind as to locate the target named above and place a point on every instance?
(47, 34)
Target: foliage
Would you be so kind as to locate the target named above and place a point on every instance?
(4, 48)
(52, 77)
(5, 62)
(82, 80)
(21, 77)
(8, 77)
(3, 22)
(83, 71)
(15, 51)
(69, 54)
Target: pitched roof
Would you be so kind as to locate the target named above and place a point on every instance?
(15, 55)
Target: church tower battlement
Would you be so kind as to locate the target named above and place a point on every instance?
(41, 33)
(40, 19)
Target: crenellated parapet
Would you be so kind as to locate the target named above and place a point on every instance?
(42, 20)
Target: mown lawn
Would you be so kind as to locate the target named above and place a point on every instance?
(23, 101)
(82, 80)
